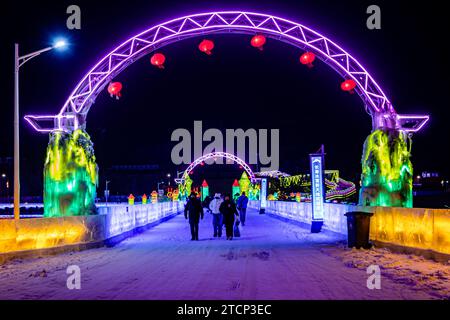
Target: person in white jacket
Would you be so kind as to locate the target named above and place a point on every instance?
(214, 206)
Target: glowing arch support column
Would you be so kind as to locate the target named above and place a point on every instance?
(70, 175)
(387, 172)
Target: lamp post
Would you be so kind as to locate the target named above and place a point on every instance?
(107, 192)
(168, 178)
(159, 184)
(6, 186)
(18, 62)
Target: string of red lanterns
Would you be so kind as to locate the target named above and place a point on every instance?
(206, 46)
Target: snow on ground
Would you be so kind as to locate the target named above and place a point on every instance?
(413, 271)
(272, 260)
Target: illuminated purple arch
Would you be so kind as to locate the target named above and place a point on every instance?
(215, 155)
(73, 114)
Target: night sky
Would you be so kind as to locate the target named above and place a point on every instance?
(236, 87)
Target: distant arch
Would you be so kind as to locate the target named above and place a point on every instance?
(215, 155)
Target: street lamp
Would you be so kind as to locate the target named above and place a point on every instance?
(18, 62)
(159, 184)
(107, 192)
(6, 186)
(168, 178)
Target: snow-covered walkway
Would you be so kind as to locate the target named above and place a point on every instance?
(272, 260)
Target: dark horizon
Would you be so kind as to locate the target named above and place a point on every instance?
(236, 87)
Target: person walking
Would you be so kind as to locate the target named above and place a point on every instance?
(214, 206)
(228, 210)
(242, 203)
(193, 211)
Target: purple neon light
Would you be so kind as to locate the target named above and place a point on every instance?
(339, 189)
(215, 155)
(420, 121)
(33, 121)
(84, 94)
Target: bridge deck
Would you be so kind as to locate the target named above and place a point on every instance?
(272, 260)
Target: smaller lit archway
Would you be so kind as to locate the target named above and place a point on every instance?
(216, 155)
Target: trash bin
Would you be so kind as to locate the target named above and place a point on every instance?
(358, 226)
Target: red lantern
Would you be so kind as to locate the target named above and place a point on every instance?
(258, 41)
(206, 46)
(308, 58)
(158, 60)
(348, 85)
(114, 89)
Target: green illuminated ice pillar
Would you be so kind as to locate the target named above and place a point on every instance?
(386, 170)
(70, 175)
(184, 189)
(188, 184)
(244, 183)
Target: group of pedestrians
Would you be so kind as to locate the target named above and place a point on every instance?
(224, 212)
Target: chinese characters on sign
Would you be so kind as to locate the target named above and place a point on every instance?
(317, 194)
(263, 195)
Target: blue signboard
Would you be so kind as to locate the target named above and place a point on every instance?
(317, 191)
(263, 195)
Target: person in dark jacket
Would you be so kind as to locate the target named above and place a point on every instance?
(242, 203)
(228, 210)
(194, 212)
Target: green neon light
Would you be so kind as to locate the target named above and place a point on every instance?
(244, 183)
(386, 170)
(254, 191)
(70, 175)
(184, 189)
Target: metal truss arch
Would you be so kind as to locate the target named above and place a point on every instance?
(216, 155)
(74, 111)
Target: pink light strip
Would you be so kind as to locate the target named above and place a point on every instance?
(422, 121)
(33, 121)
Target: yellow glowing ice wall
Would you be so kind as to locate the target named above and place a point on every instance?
(386, 170)
(70, 175)
(188, 186)
(254, 191)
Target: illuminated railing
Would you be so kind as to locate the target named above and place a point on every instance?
(113, 221)
(416, 228)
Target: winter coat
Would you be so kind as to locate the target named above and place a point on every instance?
(206, 202)
(193, 210)
(228, 210)
(214, 205)
(242, 202)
